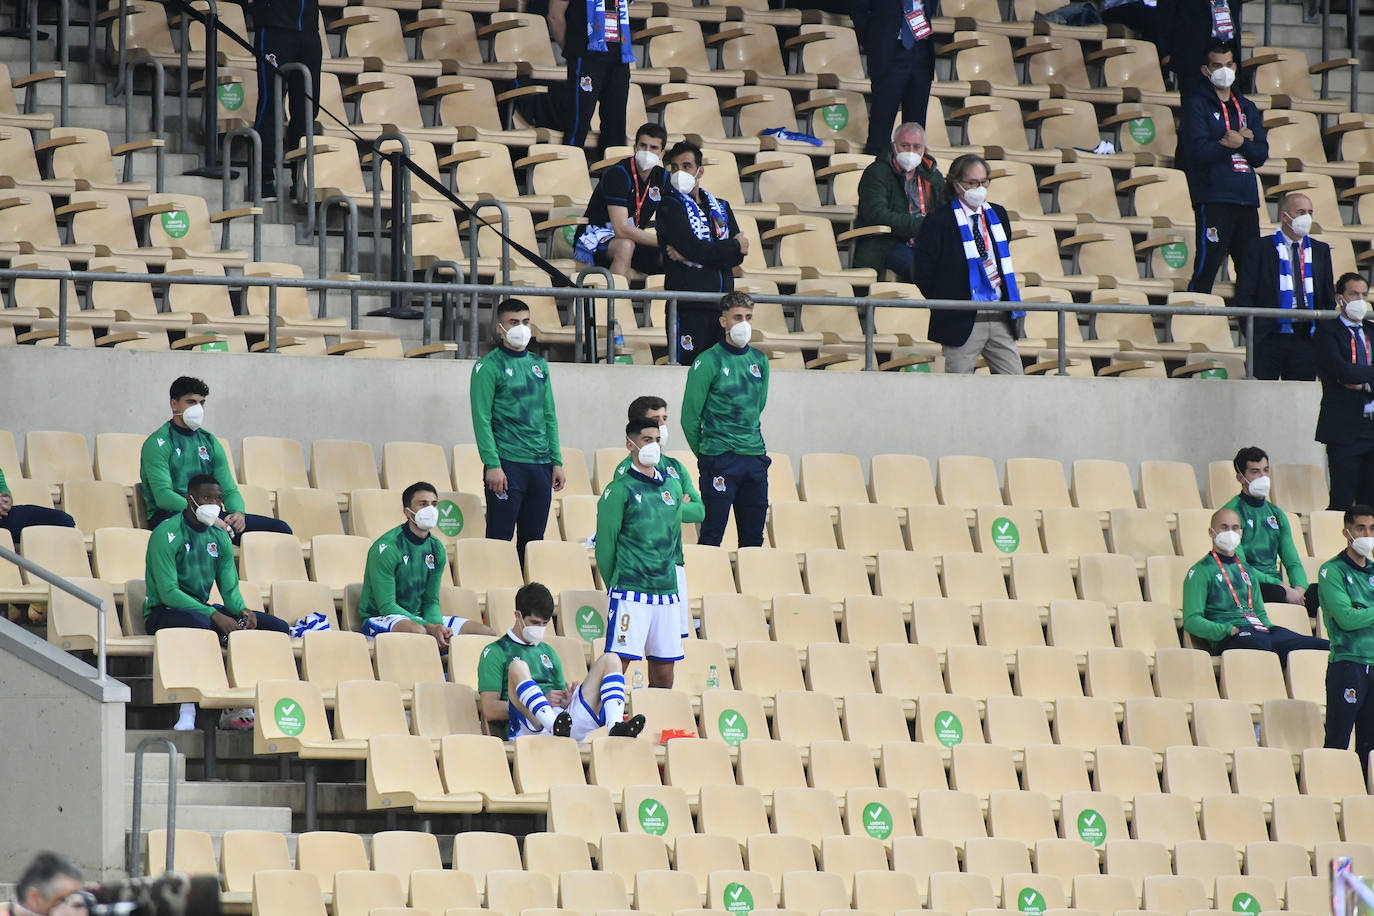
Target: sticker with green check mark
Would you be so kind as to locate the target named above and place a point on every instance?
(877, 821)
(450, 518)
(949, 731)
(589, 624)
(733, 728)
(289, 717)
(1030, 901)
(653, 817)
(1005, 537)
(1244, 903)
(1091, 828)
(738, 899)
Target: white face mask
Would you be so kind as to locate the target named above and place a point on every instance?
(907, 161)
(206, 513)
(1259, 488)
(1226, 541)
(1222, 77)
(663, 436)
(684, 182)
(1363, 546)
(976, 197)
(533, 635)
(426, 517)
(194, 416)
(739, 334)
(1300, 225)
(649, 454)
(518, 336)
(646, 159)
(1356, 310)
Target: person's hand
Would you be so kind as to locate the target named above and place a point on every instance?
(672, 253)
(559, 478)
(1235, 631)
(236, 522)
(558, 698)
(1295, 595)
(743, 243)
(1353, 386)
(6, 503)
(250, 619)
(686, 497)
(1232, 139)
(224, 623)
(442, 634)
(1247, 133)
(496, 481)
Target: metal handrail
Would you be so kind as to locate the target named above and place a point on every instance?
(254, 183)
(647, 295)
(279, 157)
(447, 323)
(159, 88)
(350, 258)
(80, 594)
(135, 863)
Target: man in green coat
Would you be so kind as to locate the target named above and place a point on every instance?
(897, 190)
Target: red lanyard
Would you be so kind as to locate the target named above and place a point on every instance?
(1249, 594)
(1225, 113)
(639, 195)
(1353, 333)
(920, 193)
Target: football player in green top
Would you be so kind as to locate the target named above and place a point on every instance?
(520, 680)
(405, 569)
(1266, 538)
(1346, 586)
(516, 430)
(727, 388)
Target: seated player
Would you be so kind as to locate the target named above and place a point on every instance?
(520, 681)
(405, 568)
(1222, 604)
(15, 519)
(620, 215)
(179, 450)
(187, 556)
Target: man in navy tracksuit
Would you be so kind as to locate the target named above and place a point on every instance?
(1220, 142)
(287, 32)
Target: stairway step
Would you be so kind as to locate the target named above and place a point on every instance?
(215, 817)
(289, 795)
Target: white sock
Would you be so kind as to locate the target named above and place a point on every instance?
(533, 699)
(186, 721)
(613, 697)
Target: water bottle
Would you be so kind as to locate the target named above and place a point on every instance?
(712, 678)
(619, 340)
(638, 678)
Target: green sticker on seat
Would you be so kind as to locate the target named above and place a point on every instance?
(653, 817)
(1091, 827)
(218, 346)
(176, 223)
(289, 716)
(733, 729)
(877, 821)
(917, 367)
(949, 731)
(1030, 902)
(1142, 130)
(1005, 537)
(1244, 903)
(738, 899)
(589, 623)
(1218, 372)
(836, 117)
(231, 96)
(1175, 255)
(570, 235)
(450, 518)
(625, 359)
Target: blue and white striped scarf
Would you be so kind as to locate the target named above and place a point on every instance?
(701, 226)
(1286, 299)
(313, 621)
(979, 283)
(596, 28)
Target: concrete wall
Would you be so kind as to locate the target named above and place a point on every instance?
(64, 750)
(862, 413)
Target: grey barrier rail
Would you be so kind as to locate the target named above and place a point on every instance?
(101, 607)
(866, 305)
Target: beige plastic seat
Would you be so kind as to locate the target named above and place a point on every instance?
(286, 890)
(103, 220)
(802, 526)
(515, 892)
(951, 815)
(901, 480)
(28, 222)
(1166, 893)
(309, 512)
(1041, 579)
(1224, 724)
(1093, 817)
(1148, 626)
(972, 577)
(1234, 820)
(187, 669)
(1125, 771)
(1292, 724)
(938, 529)
(989, 119)
(483, 564)
(960, 894)
(1194, 772)
(1072, 532)
(1016, 722)
(1156, 723)
(1111, 578)
(907, 672)
(982, 769)
(967, 482)
(911, 768)
(182, 222)
(193, 852)
(10, 115)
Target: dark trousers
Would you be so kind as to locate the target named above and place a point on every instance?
(597, 77)
(286, 47)
(1349, 687)
(698, 330)
(250, 523)
(1273, 593)
(1351, 469)
(903, 84)
(1290, 357)
(1222, 229)
(1279, 640)
(901, 260)
(734, 480)
(522, 512)
(21, 517)
(161, 617)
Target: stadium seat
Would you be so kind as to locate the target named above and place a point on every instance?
(1079, 816)
(1017, 722)
(907, 672)
(365, 708)
(901, 480)
(1195, 772)
(1251, 676)
(1125, 771)
(731, 811)
(981, 769)
(1109, 578)
(660, 890)
(309, 512)
(441, 709)
(1235, 820)
(1072, 532)
(438, 889)
(1292, 724)
(950, 815)
(1331, 772)
(1223, 724)
(1148, 626)
(281, 891)
(1174, 894)
(402, 772)
(1041, 579)
(802, 526)
(477, 852)
(1054, 769)
(960, 894)
(1155, 722)
(514, 892)
(920, 857)
(329, 657)
(911, 768)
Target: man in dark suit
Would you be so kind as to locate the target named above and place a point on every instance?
(1187, 28)
(962, 252)
(897, 38)
(1289, 271)
(1345, 423)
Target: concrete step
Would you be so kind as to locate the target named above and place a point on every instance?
(236, 794)
(214, 817)
(155, 765)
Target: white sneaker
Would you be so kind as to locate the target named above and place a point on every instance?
(236, 719)
(186, 720)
